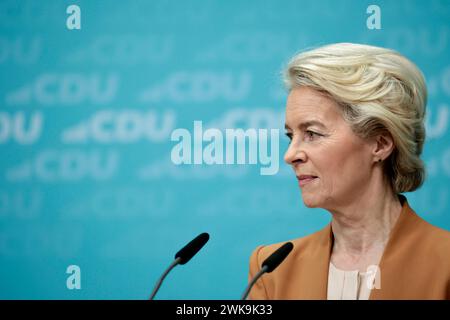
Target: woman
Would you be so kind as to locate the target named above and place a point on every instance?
(355, 120)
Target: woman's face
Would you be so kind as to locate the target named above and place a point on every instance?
(323, 145)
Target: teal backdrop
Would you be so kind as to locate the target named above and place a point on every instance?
(86, 117)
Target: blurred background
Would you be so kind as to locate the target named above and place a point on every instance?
(86, 117)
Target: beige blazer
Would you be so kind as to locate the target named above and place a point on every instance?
(415, 264)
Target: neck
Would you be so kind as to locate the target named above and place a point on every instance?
(363, 228)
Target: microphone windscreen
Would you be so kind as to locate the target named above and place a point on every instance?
(277, 257)
(191, 249)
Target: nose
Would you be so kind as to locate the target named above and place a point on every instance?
(295, 154)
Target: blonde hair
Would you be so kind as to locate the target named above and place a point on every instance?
(378, 90)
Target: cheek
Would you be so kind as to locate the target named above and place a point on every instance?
(343, 168)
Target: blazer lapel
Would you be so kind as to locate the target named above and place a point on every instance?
(314, 274)
(391, 266)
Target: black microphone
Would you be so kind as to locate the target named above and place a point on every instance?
(182, 257)
(270, 264)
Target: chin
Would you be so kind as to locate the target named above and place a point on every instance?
(310, 202)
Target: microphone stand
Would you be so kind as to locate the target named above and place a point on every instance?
(255, 278)
(161, 279)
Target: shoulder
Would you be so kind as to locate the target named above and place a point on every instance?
(303, 246)
(432, 239)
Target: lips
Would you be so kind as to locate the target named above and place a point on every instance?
(304, 179)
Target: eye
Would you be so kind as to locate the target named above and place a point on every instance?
(289, 135)
(311, 134)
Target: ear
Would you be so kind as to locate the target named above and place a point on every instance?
(383, 147)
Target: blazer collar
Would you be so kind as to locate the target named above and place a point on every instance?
(313, 279)
(392, 264)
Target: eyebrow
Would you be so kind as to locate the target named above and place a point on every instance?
(307, 124)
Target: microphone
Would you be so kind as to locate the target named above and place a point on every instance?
(270, 264)
(182, 257)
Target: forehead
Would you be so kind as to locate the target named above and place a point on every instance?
(305, 104)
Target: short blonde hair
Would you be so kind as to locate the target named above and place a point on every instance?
(378, 90)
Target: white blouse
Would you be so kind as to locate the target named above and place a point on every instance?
(349, 285)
